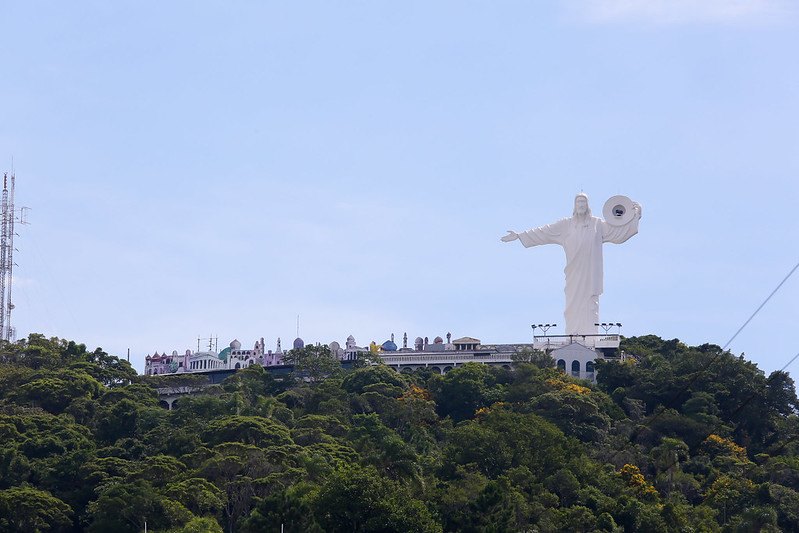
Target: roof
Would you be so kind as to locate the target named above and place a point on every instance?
(466, 340)
(223, 355)
(571, 349)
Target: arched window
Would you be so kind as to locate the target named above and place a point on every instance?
(576, 366)
(589, 367)
(562, 365)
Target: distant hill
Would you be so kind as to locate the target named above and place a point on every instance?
(676, 438)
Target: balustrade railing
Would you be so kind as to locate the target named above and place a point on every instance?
(446, 358)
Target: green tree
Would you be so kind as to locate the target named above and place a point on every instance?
(33, 510)
(254, 383)
(109, 370)
(199, 495)
(781, 393)
(255, 430)
(786, 503)
(574, 411)
(538, 358)
(667, 458)
(356, 381)
(358, 500)
(199, 525)
(54, 392)
(245, 472)
(467, 388)
(125, 507)
(383, 448)
(313, 363)
(501, 439)
(290, 509)
(117, 420)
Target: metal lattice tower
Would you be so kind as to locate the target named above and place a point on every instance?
(7, 220)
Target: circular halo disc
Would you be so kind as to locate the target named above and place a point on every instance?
(618, 210)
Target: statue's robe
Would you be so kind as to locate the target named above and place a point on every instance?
(582, 241)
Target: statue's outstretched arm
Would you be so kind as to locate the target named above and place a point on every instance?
(547, 234)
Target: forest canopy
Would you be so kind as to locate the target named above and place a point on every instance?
(674, 438)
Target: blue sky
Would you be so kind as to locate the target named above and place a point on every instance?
(199, 168)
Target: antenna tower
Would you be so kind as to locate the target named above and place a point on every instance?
(8, 218)
(213, 343)
(6, 257)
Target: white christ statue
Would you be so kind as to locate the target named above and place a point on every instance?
(581, 236)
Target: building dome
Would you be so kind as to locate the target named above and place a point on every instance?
(299, 344)
(350, 344)
(334, 347)
(235, 345)
(389, 346)
(438, 340)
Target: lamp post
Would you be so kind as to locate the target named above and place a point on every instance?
(608, 325)
(542, 327)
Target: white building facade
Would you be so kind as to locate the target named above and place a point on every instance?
(571, 356)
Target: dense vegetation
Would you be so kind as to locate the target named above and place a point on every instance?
(676, 439)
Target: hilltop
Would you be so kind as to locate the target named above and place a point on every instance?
(676, 438)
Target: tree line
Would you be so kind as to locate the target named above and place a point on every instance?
(676, 438)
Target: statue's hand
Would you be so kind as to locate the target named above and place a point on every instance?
(638, 209)
(511, 236)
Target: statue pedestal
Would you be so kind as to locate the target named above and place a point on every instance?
(592, 340)
(576, 354)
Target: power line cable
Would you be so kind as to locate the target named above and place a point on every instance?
(727, 344)
(721, 352)
(771, 377)
(777, 288)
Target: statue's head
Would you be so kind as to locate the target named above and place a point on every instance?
(581, 207)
